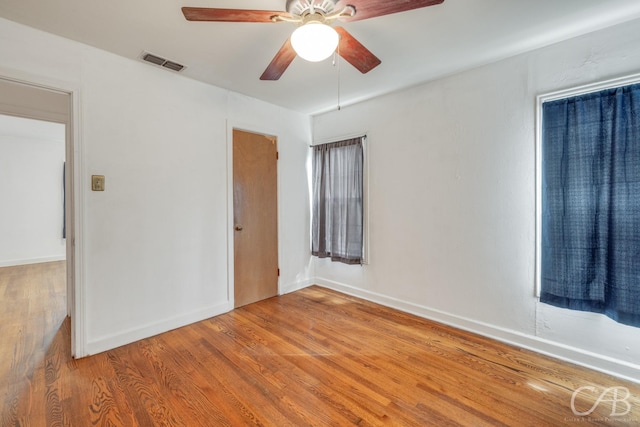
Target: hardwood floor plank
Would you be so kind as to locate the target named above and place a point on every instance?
(252, 387)
(324, 364)
(284, 373)
(456, 350)
(314, 357)
(201, 392)
(380, 364)
(356, 360)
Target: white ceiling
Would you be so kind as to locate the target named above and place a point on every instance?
(414, 46)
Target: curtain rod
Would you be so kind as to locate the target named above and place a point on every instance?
(342, 138)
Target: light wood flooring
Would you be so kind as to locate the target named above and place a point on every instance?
(311, 358)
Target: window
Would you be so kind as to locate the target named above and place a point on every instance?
(337, 226)
(589, 202)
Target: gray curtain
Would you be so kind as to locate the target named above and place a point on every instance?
(337, 216)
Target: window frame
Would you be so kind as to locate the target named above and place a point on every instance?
(540, 100)
(365, 187)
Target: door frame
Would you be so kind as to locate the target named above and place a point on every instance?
(258, 129)
(73, 190)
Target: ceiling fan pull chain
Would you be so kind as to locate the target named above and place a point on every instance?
(336, 60)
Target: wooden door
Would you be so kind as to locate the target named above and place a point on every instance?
(255, 212)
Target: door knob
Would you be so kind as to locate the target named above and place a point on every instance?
(238, 227)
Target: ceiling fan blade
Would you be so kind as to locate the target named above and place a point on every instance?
(280, 62)
(230, 15)
(371, 8)
(355, 53)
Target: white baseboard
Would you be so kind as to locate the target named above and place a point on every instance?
(135, 334)
(597, 362)
(295, 286)
(14, 262)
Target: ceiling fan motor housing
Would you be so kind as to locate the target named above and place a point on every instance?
(304, 7)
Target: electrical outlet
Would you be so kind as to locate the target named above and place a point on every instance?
(97, 182)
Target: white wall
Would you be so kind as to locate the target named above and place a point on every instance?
(155, 249)
(32, 155)
(452, 200)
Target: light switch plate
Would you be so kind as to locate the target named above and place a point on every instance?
(97, 182)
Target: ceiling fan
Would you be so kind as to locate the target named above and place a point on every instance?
(314, 16)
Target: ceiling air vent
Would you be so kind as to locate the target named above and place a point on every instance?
(157, 60)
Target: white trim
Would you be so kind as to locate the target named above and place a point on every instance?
(608, 365)
(230, 244)
(296, 286)
(75, 217)
(538, 198)
(589, 88)
(77, 204)
(365, 202)
(339, 138)
(31, 110)
(14, 262)
(553, 96)
(135, 334)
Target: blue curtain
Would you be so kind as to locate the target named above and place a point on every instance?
(591, 203)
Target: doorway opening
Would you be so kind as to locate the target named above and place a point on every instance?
(37, 122)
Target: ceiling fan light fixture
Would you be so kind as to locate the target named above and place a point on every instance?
(314, 41)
